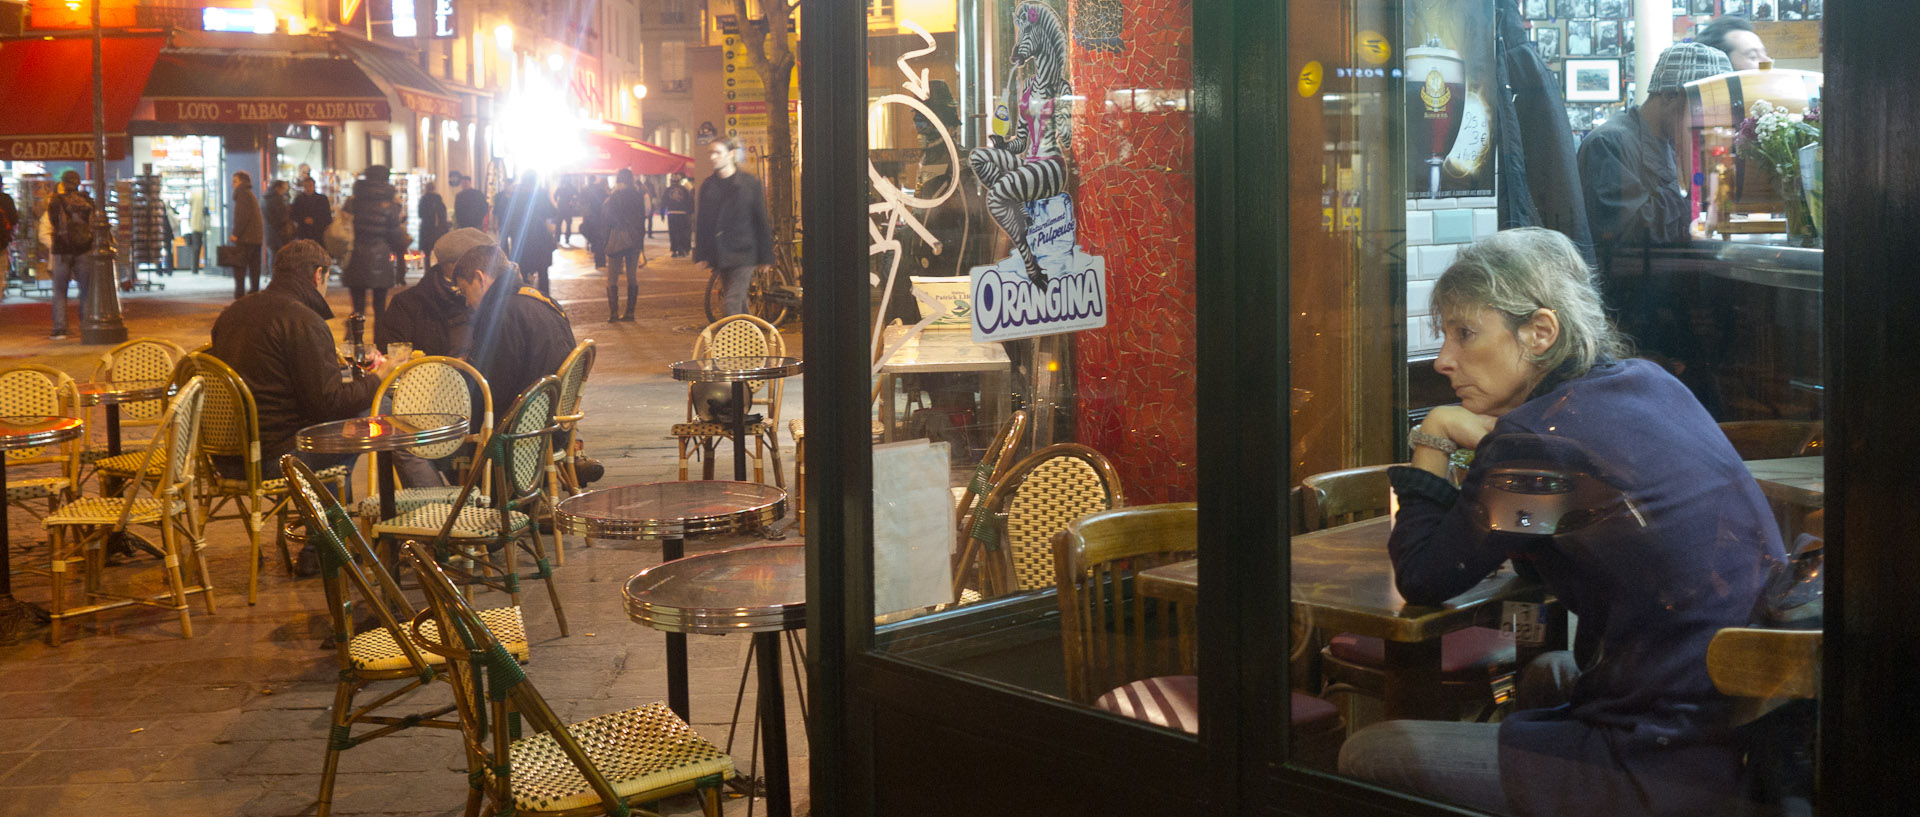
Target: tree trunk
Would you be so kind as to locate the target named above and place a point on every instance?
(773, 61)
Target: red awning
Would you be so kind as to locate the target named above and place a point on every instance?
(607, 152)
(48, 98)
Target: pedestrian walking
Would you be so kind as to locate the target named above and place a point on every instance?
(379, 241)
(196, 228)
(527, 230)
(566, 198)
(312, 214)
(678, 202)
(67, 228)
(433, 219)
(732, 232)
(278, 211)
(469, 205)
(248, 232)
(626, 239)
(593, 201)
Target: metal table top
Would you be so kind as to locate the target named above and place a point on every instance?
(122, 391)
(671, 510)
(382, 432)
(735, 369)
(36, 431)
(746, 590)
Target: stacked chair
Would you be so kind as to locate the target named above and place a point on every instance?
(79, 529)
(522, 759)
(383, 654)
(35, 390)
(737, 336)
(1012, 532)
(986, 476)
(514, 460)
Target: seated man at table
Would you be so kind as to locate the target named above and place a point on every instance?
(434, 316)
(278, 341)
(1678, 545)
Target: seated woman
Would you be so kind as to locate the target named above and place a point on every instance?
(1628, 723)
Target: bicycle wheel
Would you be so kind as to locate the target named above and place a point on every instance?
(714, 310)
(759, 287)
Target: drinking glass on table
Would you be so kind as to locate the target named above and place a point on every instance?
(400, 350)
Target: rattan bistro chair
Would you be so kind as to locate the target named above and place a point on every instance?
(1015, 524)
(737, 336)
(432, 384)
(514, 459)
(608, 764)
(78, 531)
(137, 359)
(231, 428)
(34, 390)
(562, 477)
(381, 654)
(986, 476)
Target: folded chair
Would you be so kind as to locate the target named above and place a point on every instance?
(383, 654)
(30, 389)
(231, 428)
(78, 531)
(1014, 526)
(986, 476)
(523, 759)
(514, 458)
(433, 384)
(137, 359)
(737, 336)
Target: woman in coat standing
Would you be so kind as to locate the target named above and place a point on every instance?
(433, 219)
(379, 242)
(528, 226)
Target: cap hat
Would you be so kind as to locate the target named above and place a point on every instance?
(1682, 63)
(455, 244)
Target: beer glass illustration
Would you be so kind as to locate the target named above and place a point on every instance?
(1436, 89)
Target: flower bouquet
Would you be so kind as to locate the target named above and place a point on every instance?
(1775, 136)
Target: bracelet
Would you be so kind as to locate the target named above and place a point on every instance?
(1419, 438)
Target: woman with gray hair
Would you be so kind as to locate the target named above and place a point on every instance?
(1673, 541)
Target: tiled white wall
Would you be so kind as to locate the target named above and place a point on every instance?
(1436, 230)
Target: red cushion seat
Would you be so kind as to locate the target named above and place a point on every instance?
(1173, 701)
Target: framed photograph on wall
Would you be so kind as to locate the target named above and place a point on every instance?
(1792, 9)
(1735, 7)
(1606, 38)
(1679, 8)
(1546, 40)
(1538, 9)
(1579, 38)
(1626, 36)
(1816, 9)
(1763, 10)
(1701, 8)
(1576, 8)
(1593, 80)
(1610, 9)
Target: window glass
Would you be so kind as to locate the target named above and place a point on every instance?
(1557, 402)
(1031, 214)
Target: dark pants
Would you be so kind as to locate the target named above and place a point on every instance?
(628, 264)
(194, 242)
(680, 233)
(360, 301)
(248, 271)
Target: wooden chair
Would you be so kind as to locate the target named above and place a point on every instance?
(606, 764)
(432, 384)
(1773, 439)
(515, 459)
(137, 359)
(1477, 663)
(737, 336)
(384, 653)
(986, 476)
(169, 508)
(231, 428)
(30, 389)
(1016, 521)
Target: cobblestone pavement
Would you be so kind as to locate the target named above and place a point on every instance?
(126, 717)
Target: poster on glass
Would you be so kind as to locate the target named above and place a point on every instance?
(1449, 87)
(1593, 80)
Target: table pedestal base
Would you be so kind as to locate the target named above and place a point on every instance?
(773, 723)
(679, 697)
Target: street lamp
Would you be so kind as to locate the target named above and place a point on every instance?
(503, 34)
(100, 311)
(639, 92)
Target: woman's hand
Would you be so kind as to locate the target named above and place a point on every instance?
(1459, 425)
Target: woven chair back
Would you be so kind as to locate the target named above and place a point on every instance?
(521, 445)
(573, 381)
(993, 465)
(436, 385)
(1335, 498)
(743, 336)
(33, 390)
(181, 431)
(1039, 497)
(140, 359)
(232, 422)
(349, 567)
(1111, 636)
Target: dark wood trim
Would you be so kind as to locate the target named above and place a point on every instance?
(1868, 717)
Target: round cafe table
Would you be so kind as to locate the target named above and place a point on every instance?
(115, 393)
(739, 371)
(18, 433)
(381, 434)
(757, 590)
(669, 512)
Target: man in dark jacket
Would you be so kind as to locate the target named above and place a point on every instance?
(519, 335)
(248, 232)
(312, 214)
(433, 218)
(626, 214)
(278, 213)
(731, 234)
(278, 340)
(677, 201)
(469, 205)
(433, 316)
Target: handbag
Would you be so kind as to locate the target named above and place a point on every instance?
(228, 255)
(338, 237)
(621, 241)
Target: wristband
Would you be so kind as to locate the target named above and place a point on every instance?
(1418, 438)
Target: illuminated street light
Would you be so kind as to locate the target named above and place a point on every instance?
(503, 34)
(554, 62)
(639, 92)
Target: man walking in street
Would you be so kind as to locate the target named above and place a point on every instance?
(247, 231)
(678, 202)
(312, 214)
(732, 236)
(626, 215)
(469, 205)
(67, 227)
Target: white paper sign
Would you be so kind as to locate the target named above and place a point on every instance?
(912, 526)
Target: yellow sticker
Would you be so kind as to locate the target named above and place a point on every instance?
(1372, 47)
(1310, 76)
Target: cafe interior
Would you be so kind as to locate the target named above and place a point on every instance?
(1356, 406)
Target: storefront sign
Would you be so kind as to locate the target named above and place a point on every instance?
(445, 20)
(57, 148)
(1009, 303)
(250, 21)
(428, 104)
(269, 110)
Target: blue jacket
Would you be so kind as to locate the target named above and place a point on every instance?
(1645, 732)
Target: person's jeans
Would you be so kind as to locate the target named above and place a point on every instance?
(249, 270)
(194, 242)
(628, 264)
(733, 288)
(1455, 762)
(417, 472)
(67, 268)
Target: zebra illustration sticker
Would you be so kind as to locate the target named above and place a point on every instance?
(1048, 285)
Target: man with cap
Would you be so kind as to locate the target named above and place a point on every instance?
(1637, 199)
(433, 316)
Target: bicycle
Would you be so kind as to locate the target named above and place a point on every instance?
(773, 293)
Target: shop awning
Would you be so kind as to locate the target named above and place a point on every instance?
(411, 84)
(218, 87)
(48, 95)
(607, 152)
